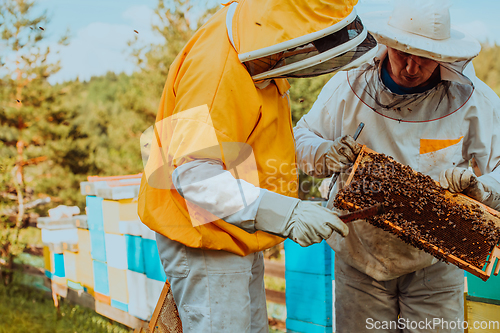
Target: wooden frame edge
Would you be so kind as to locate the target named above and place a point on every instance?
(159, 305)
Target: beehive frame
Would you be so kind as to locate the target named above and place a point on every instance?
(482, 272)
(165, 318)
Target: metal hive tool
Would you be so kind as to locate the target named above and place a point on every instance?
(451, 227)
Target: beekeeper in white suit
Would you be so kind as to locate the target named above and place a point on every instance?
(423, 105)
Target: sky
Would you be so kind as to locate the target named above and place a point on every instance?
(100, 29)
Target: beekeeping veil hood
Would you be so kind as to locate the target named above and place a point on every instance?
(422, 28)
(297, 38)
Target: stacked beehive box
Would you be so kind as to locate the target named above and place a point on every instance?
(127, 271)
(60, 237)
(309, 294)
(309, 286)
(108, 253)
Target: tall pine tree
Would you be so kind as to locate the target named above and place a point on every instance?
(30, 119)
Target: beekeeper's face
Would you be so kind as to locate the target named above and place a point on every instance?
(411, 71)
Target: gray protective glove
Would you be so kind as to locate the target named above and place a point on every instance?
(304, 223)
(337, 155)
(484, 189)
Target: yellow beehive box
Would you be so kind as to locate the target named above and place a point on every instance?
(84, 270)
(70, 259)
(483, 317)
(118, 284)
(47, 258)
(84, 241)
(114, 211)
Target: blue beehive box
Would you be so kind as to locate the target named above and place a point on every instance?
(296, 326)
(152, 264)
(94, 213)
(59, 265)
(314, 259)
(135, 255)
(309, 292)
(97, 245)
(119, 305)
(487, 291)
(101, 283)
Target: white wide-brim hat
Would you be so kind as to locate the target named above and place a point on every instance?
(422, 28)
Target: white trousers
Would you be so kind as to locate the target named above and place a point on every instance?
(413, 302)
(215, 291)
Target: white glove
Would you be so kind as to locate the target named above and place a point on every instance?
(305, 223)
(337, 155)
(484, 189)
(462, 180)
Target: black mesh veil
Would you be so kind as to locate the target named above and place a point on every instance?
(338, 62)
(447, 97)
(316, 57)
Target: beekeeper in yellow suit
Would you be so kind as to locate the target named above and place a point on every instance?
(423, 106)
(220, 181)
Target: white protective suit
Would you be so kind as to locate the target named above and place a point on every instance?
(475, 127)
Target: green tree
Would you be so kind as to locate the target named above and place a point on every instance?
(177, 21)
(30, 118)
(487, 66)
(107, 125)
(303, 94)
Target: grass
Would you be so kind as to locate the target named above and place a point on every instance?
(24, 309)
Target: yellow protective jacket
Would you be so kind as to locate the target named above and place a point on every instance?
(208, 73)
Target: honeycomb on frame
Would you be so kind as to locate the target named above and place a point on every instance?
(452, 227)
